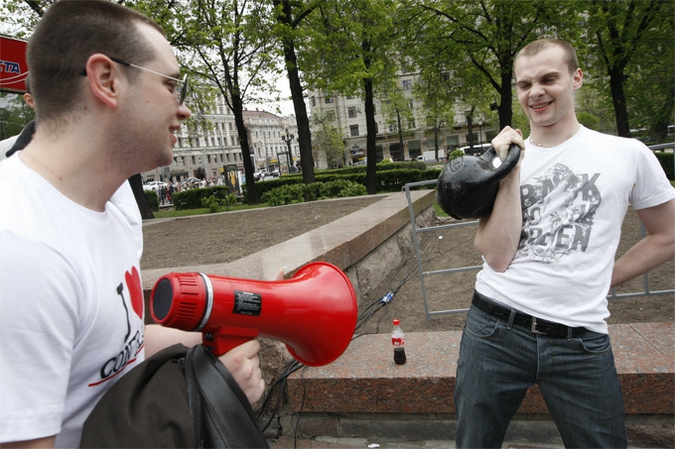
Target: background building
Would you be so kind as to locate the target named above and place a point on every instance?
(210, 142)
(346, 114)
(270, 142)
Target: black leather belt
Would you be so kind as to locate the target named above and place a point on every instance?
(534, 324)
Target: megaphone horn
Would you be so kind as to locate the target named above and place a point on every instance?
(314, 312)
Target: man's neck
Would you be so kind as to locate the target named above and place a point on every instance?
(70, 167)
(554, 135)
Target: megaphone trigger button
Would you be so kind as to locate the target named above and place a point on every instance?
(208, 336)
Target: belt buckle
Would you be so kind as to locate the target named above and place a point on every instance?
(533, 327)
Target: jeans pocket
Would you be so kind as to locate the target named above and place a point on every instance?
(481, 324)
(595, 343)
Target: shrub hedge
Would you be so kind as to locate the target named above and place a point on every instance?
(667, 161)
(299, 192)
(153, 199)
(391, 177)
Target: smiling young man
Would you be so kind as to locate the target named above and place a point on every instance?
(539, 309)
(109, 99)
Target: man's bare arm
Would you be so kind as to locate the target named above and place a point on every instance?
(658, 247)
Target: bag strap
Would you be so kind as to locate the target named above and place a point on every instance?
(225, 417)
(194, 398)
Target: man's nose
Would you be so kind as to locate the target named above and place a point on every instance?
(183, 112)
(536, 90)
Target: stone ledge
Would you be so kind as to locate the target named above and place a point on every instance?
(366, 380)
(343, 242)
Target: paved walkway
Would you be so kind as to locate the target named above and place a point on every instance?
(288, 442)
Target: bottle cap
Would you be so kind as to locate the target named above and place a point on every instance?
(396, 322)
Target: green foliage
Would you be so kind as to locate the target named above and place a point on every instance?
(153, 199)
(327, 142)
(390, 176)
(192, 199)
(214, 203)
(298, 193)
(455, 154)
(288, 194)
(633, 57)
(589, 120)
(14, 115)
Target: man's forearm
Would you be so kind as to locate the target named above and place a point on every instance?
(158, 337)
(498, 235)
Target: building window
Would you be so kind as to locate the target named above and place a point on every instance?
(313, 101)
(411, 105)
(351, 111)
(407, 84)
(330, 116)
(328, 99)
(354, 130)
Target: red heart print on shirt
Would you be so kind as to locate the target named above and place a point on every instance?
(133, 280)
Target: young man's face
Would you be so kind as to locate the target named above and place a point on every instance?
(546, 88)
(153, 114)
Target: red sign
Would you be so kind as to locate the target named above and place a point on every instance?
(13, 67)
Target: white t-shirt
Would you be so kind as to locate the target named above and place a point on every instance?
(574, 198)
(71, 306)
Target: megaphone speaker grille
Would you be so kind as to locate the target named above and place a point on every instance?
(163, 299)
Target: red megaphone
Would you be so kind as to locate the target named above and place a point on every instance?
(314, 312)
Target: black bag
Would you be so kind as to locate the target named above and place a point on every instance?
(179, 397)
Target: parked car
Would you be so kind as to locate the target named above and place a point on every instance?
(153, 185)
(260, 174)
(191, 182)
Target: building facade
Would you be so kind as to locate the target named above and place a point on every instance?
(271, 137)
(210, 143)
(347, 115)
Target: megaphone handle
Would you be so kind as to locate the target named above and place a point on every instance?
(225, 339)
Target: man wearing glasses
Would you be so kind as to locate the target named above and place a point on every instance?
(109, 99)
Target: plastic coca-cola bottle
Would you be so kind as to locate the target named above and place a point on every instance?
(398, 341)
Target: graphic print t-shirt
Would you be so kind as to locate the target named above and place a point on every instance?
(574, 198)
(71, 307)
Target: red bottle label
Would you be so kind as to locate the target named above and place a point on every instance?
(397, 341)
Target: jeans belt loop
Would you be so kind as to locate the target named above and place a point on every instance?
(533, 327)
(512, 316)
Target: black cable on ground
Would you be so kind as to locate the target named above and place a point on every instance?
(362, 319)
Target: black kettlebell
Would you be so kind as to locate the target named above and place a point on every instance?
(467, 186)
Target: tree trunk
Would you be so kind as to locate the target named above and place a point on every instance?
(302, 120)
(238, 111)
(371, 138)
(616, 80)
(136, 183)
(506, 97)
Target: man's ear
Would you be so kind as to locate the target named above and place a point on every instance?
(577, 79)
(104, 79)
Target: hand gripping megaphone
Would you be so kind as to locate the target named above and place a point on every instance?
(314, 312)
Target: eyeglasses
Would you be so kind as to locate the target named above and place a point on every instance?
(179, 93)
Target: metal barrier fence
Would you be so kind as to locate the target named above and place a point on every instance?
(416, 231)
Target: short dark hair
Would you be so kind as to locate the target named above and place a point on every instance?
(64, 39)
(535, 47)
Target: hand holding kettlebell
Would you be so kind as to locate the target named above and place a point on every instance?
(507, 137)
(467, 186)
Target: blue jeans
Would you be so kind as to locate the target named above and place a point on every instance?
(577, 379)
